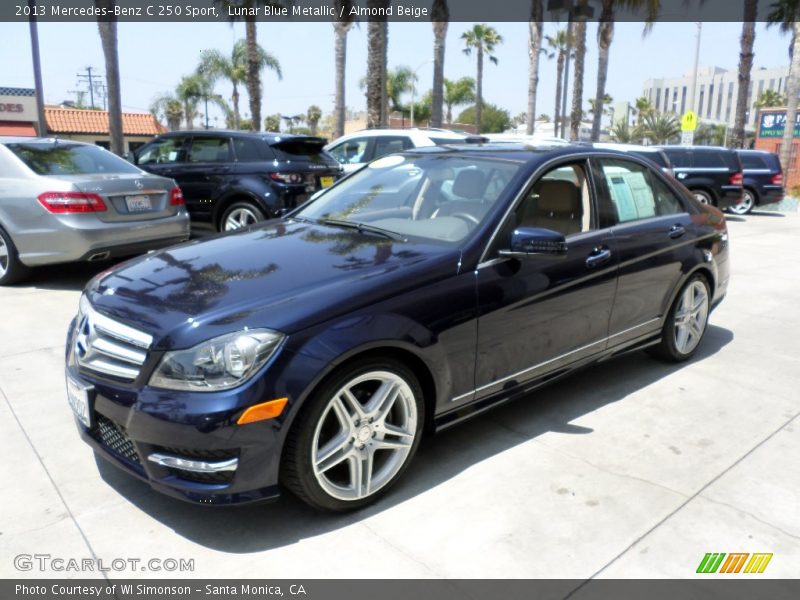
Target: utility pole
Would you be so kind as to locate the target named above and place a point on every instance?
(92, 80)
(696, 67)
(37, 70)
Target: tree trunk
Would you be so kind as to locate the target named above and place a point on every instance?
(385, 71)
(577, 80)
(237, 117)
(340, 29)
(449, 114)
(479, 89)
(792, 88)
(108, 39)
(440, 18)
(188, 115)
(534, 51)
(253, 75)
(605, 35)
(562, 54)
(374, 77)
(745, 66)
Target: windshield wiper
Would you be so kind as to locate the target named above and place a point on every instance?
(364, 227)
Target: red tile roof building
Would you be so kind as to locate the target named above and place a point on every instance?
(78, 120)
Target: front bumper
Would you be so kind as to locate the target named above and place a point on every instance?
(135, 427)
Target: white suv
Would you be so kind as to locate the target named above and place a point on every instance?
(355, 149)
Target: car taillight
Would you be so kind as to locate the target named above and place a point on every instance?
(286, 177)
(736, 179)
(777, 179)
(176, 196)
(71, 202)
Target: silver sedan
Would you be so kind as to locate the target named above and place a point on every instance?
(64, 201)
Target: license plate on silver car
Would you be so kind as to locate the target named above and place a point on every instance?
(78, 398)
(138, 203)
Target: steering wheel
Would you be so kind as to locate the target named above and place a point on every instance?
(467, 217)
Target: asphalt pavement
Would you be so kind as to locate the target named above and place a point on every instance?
(631, 468)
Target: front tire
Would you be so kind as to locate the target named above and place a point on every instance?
(703, 197)
(11, 269)
(240, 214)
(686, 322)
(356, 437)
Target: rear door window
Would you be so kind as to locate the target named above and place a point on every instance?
(249, 150)
(753, 161)
(390, 145)
(635, 193)
(680, 158)
(711, 160)
(210, 149)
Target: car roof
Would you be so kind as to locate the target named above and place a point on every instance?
(276, 136)
(526, 153)
(754, 151)
(626, 147)
(8, 139)
(695, 148)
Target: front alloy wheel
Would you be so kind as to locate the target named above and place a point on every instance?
(686, 323)
(357, 437)
(703, 197)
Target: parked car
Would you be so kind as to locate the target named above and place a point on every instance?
(712, 174)
(651, 153)
(232, 179)
(64, 201)
(763, 180)
(357, 149)
(419, 291)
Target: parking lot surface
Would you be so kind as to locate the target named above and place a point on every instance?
(631, 468)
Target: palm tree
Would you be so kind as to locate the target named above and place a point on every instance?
(341, 27)
(643, 108)
(786, 13)
(579, 38)
(483, 40)
(660, 128)
(376, 66)
(170, 108)
(769, 99)
(254, 54)
(458, 93)
(313, 115)
(191, 90)
(745, 66)
(108, 39)
(214, 65)
(398, 82)
(558, 49)
(534, 50)
(625, 134)
(604, 111)
(440, 17)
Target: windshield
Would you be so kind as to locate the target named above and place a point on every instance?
(70, 159)
(434, 197)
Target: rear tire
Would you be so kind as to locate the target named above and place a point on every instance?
(686, 322)
(240, 214)
(746, 205)
(11, 269)
(355, 437)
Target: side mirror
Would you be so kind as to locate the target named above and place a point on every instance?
(533, 241)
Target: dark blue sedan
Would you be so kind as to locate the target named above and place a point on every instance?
(311, 352)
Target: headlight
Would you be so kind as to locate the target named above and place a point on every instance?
(218, 364)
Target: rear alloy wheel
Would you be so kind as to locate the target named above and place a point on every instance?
(11, 269)
(686, 322)
(703, 197)
(746, 205)
(240, 214)
(357, 437)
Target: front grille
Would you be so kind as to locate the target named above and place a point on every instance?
(105, 346)
(113, 436)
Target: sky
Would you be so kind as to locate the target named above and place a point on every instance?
(154, 56)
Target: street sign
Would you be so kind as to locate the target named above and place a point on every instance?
(687, 138)
(689, 121)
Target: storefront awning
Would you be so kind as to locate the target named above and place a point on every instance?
(18, 128)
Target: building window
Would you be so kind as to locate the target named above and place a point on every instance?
(700, 104)
(760, 87)
(710, 99)
(658, 99)
(683, 100)
(719, 101)
(772, 84)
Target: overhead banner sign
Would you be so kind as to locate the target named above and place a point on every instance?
(772, 124)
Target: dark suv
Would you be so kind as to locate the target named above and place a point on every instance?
(712, 174)
(233, 178)
(763, 180)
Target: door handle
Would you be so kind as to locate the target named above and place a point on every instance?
(598, 257)
(676, 231)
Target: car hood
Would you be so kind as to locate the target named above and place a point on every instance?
(284, 275)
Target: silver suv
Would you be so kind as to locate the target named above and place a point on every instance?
(64, 201)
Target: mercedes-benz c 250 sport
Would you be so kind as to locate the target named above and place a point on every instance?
(311, 352)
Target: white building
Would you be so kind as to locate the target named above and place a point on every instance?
(717, 89)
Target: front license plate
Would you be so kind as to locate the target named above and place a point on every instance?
(326, 181)
(138, 203)
(78, 398)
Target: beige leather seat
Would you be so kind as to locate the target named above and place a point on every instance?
(557, 207)
(469, 185)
